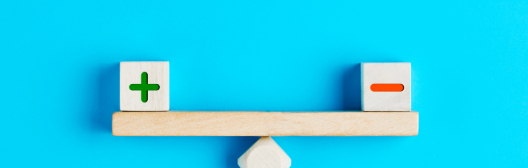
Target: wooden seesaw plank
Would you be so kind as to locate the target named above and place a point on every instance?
(265, 124)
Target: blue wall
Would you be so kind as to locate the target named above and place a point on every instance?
(60, 76)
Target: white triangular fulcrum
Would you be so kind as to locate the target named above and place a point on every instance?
(265, 153)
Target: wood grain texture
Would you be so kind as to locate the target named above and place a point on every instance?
(158, 73)
(265, 153)
(265, 124)
(386, 73)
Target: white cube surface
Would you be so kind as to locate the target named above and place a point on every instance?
(386, 86)
(144, 86)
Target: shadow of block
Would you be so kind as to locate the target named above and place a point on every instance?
(108, 97)
(352, 88)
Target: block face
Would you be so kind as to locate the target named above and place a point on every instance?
(387, 94)
(144, 86)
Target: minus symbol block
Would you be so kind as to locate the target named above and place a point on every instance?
(386, 86)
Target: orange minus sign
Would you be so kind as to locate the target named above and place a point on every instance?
(377, 87)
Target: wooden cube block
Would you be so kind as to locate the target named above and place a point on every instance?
(144, 86)
(386, 86)
(265, 153)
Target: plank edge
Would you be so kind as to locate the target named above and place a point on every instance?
(117, 124)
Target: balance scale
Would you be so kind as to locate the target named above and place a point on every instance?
(144, 103)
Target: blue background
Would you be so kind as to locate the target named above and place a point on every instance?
(60, 78)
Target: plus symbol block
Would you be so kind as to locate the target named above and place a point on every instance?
(386, 86)
(144, 86)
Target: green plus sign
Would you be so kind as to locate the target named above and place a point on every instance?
(144, 87)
